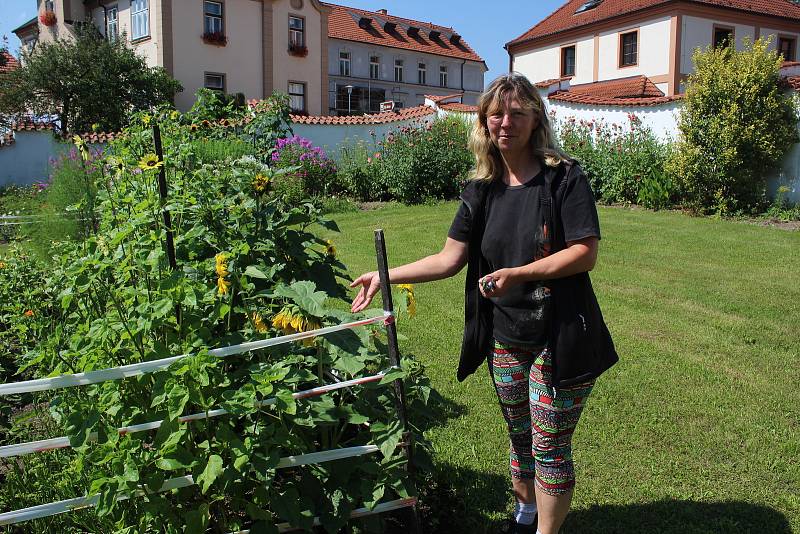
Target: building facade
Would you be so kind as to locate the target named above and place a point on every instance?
(375, 57)
(594, 41)
(256, 47)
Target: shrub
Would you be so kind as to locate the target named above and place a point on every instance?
(309, 169)
(420, 163)
(16, 201)
(736, 126)
(623, 163)
(359, 173)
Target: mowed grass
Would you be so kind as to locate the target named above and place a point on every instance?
(695, 430)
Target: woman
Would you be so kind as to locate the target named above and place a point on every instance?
(528, 230)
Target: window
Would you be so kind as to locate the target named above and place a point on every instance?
(422, 73)
(629, 49)
(297, 32)
(297, 96)
(398, 70)
(212, 15)
(214, 81)
(374, 67)
(140, 19)
(344, 63)
(568, 61)
(443, 76)
(723, 37)
(786, 48)
(586, 6)
(112, 23)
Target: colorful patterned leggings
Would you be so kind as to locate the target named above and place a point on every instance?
(540, 420)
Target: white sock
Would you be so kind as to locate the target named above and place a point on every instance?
(524, 513)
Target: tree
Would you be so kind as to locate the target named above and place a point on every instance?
(736, 125)
(84, 81)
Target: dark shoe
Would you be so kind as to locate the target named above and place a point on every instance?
(512, 527)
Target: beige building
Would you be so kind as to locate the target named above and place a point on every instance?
(256, 47)
(591, 41)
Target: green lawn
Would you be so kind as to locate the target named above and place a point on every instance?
(697, 429)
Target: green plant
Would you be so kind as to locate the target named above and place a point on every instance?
(781, 209)
(359, 173)
(422, 162)
(623, 163)
(245, 261)
(736, 126)
(308, 168)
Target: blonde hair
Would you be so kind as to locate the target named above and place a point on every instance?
(488, 161)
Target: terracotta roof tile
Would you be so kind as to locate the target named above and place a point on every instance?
(565, 18)
(439, 98)
(459, 107)
(633, 91)
(378, 118)
(100, 137)
(793, 82)
(544, 84)
(9, 62)
(31, 126)
(343, 23)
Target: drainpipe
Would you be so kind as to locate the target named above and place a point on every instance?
(462, 80)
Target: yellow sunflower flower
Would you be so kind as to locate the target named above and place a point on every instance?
(330, 250)
(193, 128)
(222, 264)
(2, 265)
(174, 115)
(283, 321)
(223, 286)
(146, 120)
(411, 301)
(259, 323)
(260, 183)
(150, 162)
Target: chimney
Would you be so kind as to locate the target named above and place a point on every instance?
(383, 12)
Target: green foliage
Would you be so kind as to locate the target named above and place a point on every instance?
(16, 201)
(309, 170)
(420, 163)
(246, 259)
(781, 208)
(736, 126)
(623, 164)
(356, 175)
(84, 81)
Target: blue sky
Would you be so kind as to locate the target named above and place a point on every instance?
(486, 30)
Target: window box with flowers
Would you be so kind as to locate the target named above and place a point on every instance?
(298, 50)
(215, 38)
(47, 17)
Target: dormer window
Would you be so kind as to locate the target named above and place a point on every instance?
(413, 31)
(455, 39)
(390, 27)
(586, 6)
(364, 23)
(434, 34)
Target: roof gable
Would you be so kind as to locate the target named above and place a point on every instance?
(566, 18)
(382, 29)
(8, 62)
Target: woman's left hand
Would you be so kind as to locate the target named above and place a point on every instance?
(503, 279)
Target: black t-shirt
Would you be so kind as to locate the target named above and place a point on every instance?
(516, 235)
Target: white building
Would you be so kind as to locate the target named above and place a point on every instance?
(592, 41)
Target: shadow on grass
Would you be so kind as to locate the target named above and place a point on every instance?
(673, 516)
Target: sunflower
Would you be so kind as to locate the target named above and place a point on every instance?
(150, 162)
(261, 183)
(146, 120)
(224, 123)
(222, 286)
(174, 115)
(2, 265)
(290, 320)
(193, 128)
(221, 260)
(330, 250)
(206, 123)
(115, 163)
(259, 323)
(411, 301)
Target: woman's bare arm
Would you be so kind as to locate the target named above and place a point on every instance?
(444, 264)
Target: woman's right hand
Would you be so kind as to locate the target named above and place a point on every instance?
(370, 284)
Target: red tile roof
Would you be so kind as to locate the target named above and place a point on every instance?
(459, 107)
(94, 138)
(31, 126)
(544, 84)
(793, 82)
(633, 91)
(8, 62)
(565, 18)
(378, 118)
(439, 98)
(345, 23)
